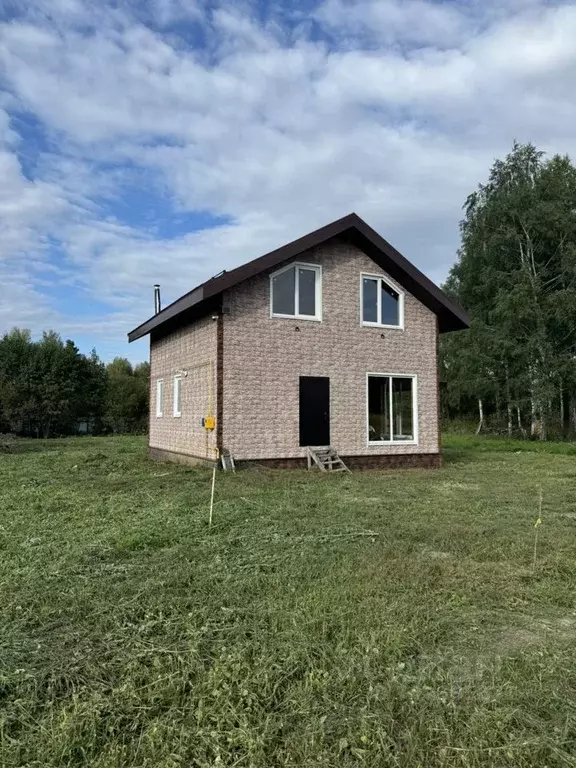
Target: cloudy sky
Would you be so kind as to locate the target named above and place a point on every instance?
(147, 141)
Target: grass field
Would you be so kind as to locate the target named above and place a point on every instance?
(373, 619)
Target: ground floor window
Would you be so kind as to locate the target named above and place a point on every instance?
(177, 400)
(391, 408)
(159, 397)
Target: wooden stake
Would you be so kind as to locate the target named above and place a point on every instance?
(537, 525)
(212, 495)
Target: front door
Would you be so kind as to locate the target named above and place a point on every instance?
(314, 410)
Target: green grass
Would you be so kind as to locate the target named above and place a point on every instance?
(460, 446)
(373, 619)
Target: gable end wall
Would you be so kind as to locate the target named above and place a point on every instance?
(264, 357)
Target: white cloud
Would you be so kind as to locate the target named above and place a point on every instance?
(395, 22)
(275, 129)
(421, 23)
(168, 12)
(29, 211)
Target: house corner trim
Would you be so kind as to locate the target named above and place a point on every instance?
(220, 384)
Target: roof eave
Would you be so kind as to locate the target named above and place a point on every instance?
(180, 305)
(451, 317)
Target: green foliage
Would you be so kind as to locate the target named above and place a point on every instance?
(48, 387)
(377, 619)
(516, 275)
(15, 376)
(127, 396)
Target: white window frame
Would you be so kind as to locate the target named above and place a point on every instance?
(176, 412)
(159, 398)
(317, 268)
(390, 284)
(414, 378)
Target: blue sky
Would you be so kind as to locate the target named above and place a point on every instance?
(164, 140)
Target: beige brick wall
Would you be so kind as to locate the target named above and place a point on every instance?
(264, 358)
(191, 349)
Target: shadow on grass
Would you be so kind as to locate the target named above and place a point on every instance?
(16, 445)
(462, 448)
(11, 447)
(458, 455)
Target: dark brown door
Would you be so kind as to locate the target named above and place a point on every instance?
(314, 410)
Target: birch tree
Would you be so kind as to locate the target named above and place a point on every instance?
(516, 274)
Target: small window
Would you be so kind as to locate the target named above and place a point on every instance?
(391, 409)
(382, 305)
(296, 292)
(177, 395)
(160, 397)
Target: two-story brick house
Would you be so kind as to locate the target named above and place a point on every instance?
(331, 339)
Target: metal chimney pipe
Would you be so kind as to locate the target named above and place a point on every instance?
(157, 304)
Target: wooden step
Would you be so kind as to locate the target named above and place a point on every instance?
(227, 461)
(326, 459)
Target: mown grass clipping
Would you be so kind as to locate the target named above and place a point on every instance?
(373, 619)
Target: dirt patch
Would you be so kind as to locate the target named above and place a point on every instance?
(536, 632)
(360, 499)
(515, 639)
(435, 554)
(452, 486)
(564, 628)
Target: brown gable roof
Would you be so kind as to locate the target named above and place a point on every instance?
(206, 297)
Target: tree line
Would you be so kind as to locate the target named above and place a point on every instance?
(514, 370)
(48, 387)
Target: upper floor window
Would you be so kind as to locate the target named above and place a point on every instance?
(296, 291)
(382, 305)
